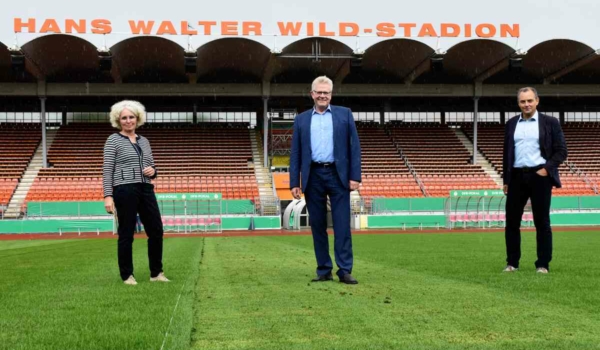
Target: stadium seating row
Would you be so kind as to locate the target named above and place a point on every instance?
(199, 158)
(584, 152)
(189, 158)
(18, 142)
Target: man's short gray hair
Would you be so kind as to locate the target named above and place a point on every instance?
(321, 80)
(525, 89)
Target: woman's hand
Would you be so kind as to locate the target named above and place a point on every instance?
(149, 171)
(109, 205)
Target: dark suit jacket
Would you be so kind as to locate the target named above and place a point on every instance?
(552, 146)
(346, 147)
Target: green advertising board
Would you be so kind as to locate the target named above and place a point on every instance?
(188, 196)
(476, 193)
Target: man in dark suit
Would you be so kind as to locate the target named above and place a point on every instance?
(326, 156)
(534, 147)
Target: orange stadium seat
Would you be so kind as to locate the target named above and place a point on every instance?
(584, 153)
(439, 158)
(18, 142)
(189, 158)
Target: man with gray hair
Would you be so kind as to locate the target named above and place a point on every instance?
(326, 158)
(534, 148)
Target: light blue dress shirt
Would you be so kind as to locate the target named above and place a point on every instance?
(527, 143)
(321, 136)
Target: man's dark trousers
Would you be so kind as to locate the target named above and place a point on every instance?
(324, 181)
(526, 184)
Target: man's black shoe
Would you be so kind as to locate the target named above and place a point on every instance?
(323, 278)
(348, 279)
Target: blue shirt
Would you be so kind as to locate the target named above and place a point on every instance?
(527, 143)
(321, 136)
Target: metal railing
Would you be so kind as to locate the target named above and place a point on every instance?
(273, 189)
(411, 168)
(413, 172)
(575, 169)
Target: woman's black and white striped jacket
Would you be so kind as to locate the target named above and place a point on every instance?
(123, 164)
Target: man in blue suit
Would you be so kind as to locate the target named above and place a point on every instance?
(326, 156)
(534, 147)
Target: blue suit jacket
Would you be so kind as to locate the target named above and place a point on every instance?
(552, 146)
(346, 147)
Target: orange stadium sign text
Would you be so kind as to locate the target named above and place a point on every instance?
(255, 28)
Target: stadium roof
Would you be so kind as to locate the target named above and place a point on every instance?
(148, 59)
(393, 66)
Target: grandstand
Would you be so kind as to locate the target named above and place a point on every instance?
(213, 124)
(440, 160)
(19, 142)
(198, 158)
(385, 173)
(578, 137)
(584, 151)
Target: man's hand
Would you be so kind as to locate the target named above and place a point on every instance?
(542, 172)
(354, 185)
(296, 192)
(505, 189)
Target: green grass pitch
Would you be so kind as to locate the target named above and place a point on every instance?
(416, 291)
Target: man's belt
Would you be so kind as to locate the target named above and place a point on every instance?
(528, 169)
(322, 164)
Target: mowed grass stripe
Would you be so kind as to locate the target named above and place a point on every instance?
(416, 291)
(13, 245)
(73, 298)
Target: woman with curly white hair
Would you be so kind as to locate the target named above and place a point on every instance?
(128, 169)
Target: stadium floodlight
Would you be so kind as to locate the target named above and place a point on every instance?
(104, 59)
(520, 52)
(515, 61)
(190, 62)
(515, 64)
(356, 64)
(17, 58)
(437, 60)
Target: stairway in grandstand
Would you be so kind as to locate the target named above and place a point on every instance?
(439, 159)
(19, 142)
(15, 207)
(490, 141)
(189, 158)
(481, 160)
(383, 170)
(263, 175)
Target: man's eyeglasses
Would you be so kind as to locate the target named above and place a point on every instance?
(324, 93)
